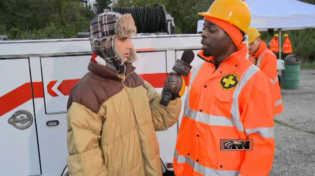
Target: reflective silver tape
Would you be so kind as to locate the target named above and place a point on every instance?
(264, 132)
(193, 75)
(207, 171)
(208, 119)
(278, 102)
(235, 107)
(274, 81)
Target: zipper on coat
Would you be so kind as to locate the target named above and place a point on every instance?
(131, 104)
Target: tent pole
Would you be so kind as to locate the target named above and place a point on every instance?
(280, 47)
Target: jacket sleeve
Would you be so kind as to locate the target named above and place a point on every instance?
(83, 136)
(163, 117)
(257, 118)
(269, 66)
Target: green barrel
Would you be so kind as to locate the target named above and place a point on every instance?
(290, 77)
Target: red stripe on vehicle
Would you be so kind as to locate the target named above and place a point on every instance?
(66, 86)
(19, 96)
(157, 80)
(38, 89)
(144, 49)
(22, 94)
(49, 89)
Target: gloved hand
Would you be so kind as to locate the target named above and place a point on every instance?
(175, 85)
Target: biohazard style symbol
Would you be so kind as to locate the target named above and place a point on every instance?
(229, 81)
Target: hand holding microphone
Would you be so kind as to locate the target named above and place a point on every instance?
(174, 86)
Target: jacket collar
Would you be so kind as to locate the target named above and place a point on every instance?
(262, 47)
(235, 58)
(107, 72)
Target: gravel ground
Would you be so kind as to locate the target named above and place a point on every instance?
(295, 130)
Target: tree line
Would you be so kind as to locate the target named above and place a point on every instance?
(45, 19)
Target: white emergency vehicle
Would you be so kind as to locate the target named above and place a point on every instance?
(35, 82)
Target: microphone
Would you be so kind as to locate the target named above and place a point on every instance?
(181, 67)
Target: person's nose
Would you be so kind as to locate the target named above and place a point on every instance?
(130, 44)
(203, 34)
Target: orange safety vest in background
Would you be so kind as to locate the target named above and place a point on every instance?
(267, 63)
(274, 45)
(230, 102)
(287, 47)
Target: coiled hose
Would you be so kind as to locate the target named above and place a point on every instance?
(147, 19)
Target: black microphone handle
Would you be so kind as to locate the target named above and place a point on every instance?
(166, 98)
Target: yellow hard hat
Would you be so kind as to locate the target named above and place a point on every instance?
(234, 11)
(276, 35)
(285, 35)
(253, 34)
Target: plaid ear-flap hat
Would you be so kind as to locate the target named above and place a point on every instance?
(104, 27)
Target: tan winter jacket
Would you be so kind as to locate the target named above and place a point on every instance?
(111, 124)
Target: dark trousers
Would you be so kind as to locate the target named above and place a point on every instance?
(277, 55)
(284, 55)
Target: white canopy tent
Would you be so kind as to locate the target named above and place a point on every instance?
(281, 14)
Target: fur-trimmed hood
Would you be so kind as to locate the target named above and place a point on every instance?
(107, 26)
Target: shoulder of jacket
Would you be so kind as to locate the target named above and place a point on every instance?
(134, 80)
(92, 92)
(269, 53)
(260, 78)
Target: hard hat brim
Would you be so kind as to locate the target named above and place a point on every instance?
(203, 14)
(252, 41)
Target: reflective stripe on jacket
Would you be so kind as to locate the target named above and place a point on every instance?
(267, 63)
(230, 102)
(274, 45)
(287, 47)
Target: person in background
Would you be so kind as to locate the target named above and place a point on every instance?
(112, 112)
(287, 47)
(274, 45)
(267, 63)
(229, 99)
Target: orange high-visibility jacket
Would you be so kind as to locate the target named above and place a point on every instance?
(274, 45)
(230, 102)
(287, 47)
(267, 63)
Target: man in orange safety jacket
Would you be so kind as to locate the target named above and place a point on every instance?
(274, 45)
(287, 47)
(266, 62)
(229, 101)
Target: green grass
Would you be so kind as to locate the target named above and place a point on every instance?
(308, 65)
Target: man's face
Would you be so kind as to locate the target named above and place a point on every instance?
(214, 40)
(123, 47)
(253, 47)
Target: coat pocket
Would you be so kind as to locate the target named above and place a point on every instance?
(222, 105)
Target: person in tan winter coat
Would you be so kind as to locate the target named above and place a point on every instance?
(113, 113)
